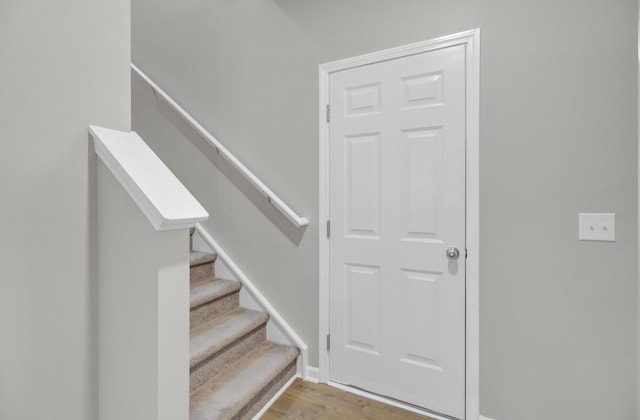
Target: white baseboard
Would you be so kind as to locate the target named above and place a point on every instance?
(283, 327)
(313, 374)
(274, 333)
(485, 417)
(274, 398)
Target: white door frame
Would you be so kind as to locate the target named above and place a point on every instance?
(471, 41)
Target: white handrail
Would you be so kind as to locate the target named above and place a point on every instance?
(259, 297)
(153, 187)
(298, 221)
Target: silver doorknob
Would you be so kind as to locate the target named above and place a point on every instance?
(453, 253)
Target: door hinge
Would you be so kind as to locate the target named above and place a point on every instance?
(328, 113)
(328, 342)
(328, 228)
(465, 253)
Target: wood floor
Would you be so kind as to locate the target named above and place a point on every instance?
(306, 400)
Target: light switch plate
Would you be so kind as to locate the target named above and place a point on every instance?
(597, 227)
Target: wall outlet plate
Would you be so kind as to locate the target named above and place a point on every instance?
(597, 227)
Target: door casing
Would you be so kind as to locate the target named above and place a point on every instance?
(471, 41)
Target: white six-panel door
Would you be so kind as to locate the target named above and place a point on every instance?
(397, 203)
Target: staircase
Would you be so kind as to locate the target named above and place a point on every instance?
(235, 370)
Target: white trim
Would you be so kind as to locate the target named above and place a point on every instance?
(273, 399)
(473, 227)
(153, 187)
(471, 40)
(484, 418)
(323, 217)
(466, 37)
(388, 401)
(278, 320)
(160, 94)
(313, 374)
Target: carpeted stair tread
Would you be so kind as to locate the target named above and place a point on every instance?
(213, 336)
(197, 258)
(211, 289)
(225, 396)
(234, 369)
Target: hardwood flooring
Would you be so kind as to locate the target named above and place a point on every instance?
(306, 400)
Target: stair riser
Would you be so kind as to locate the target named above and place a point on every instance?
(268, 392)
(203, 313)
(217, 362)
(202, 272)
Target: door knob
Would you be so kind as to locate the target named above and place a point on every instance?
(453, 253)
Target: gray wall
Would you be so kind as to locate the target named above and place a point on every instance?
(144, 294)
(558, 136)
(63, 66)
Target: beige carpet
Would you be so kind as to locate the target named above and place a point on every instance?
(234, 369)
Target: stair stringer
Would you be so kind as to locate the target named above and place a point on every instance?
(278, 330)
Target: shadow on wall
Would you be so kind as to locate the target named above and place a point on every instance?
(292, 232)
